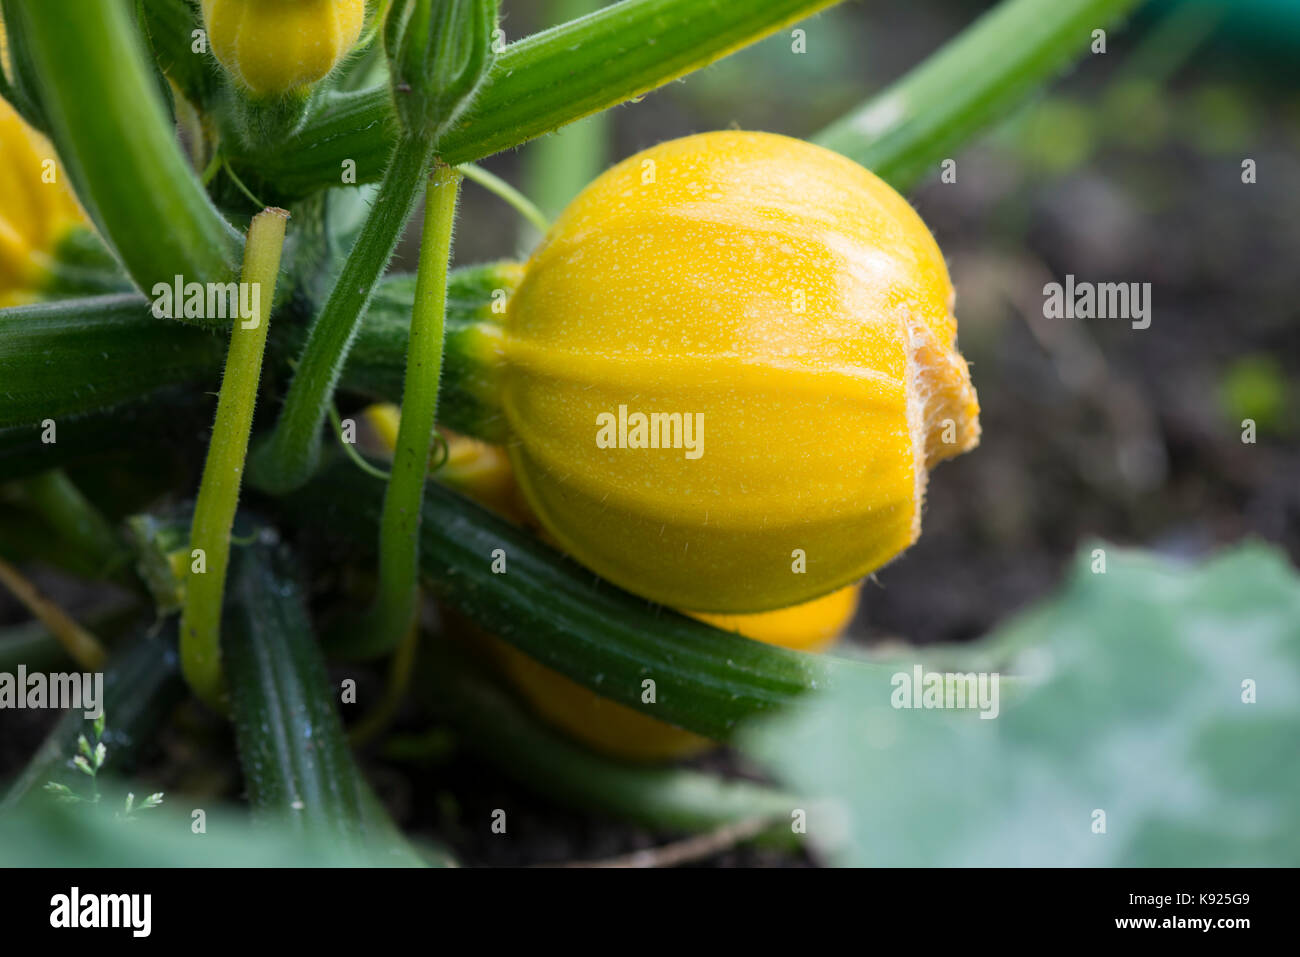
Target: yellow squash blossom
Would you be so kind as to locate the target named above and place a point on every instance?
(273, 47)
(728, 369)
(37, 208)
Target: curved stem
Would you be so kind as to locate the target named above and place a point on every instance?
(399, 538)
(496, 185)
(112, 130)
(290, 455)
(353, 455)
(214, 511)
(399, 682)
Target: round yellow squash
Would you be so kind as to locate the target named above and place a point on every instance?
(274, 47)
(728, 368)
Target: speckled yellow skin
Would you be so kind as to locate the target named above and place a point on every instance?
(34, 214)
(274, 47)
(798, 303)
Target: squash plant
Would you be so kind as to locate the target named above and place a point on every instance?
(213, 149)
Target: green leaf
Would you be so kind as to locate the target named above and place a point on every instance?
(49, 834)
(1137, 708)
(904, 132)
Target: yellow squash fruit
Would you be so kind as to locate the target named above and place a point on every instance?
(273, 47)
(37, 208)
(789, 307)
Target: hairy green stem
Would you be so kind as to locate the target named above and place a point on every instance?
(112, 130)
(214, 512)
(289, 457)
(557, 167)
(390, 619)
(63, 359)
(400, 667)
(904, 132)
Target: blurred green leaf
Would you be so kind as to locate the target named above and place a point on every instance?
(46, 833)
(1135, 114)
(1135, 709)
(1254, 387)
(1222, 120)
(1057, 136)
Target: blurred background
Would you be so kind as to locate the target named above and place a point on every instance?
(1129, 169)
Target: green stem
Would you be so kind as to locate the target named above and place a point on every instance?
(557, 167)
(62, 360)
(499, 187)
(298, 770)
(350, 451)
(77, 520)
(399, 683)
(399, 537)
(290, 455)
(903, 133)
(21, 93)
(112, 130)
(214, 511)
